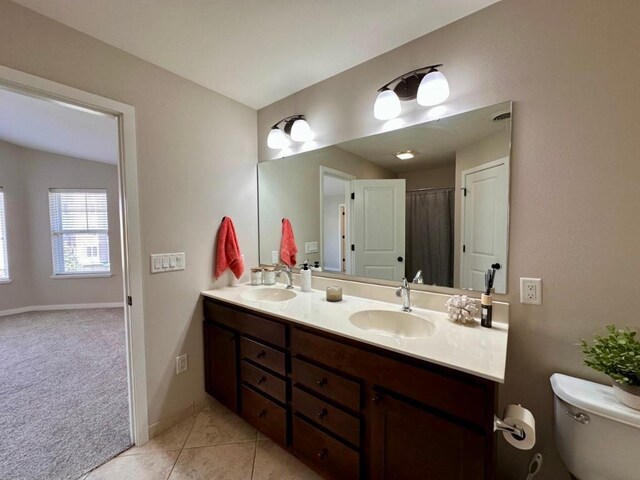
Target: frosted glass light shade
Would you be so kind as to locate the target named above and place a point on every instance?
(301, 131)
(276, 139)
(387, 105)
(433, 89)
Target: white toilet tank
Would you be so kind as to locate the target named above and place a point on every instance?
(605, 448)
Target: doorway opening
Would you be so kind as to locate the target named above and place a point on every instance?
(71, 303)
(335, 192)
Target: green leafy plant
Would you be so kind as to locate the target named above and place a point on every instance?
(617, 355)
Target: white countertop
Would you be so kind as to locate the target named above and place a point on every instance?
(469, 348)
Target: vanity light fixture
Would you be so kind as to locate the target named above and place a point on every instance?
(406, 155)
(426, 84)
(295, 127)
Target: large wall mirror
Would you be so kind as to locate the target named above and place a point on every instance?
(361, 208)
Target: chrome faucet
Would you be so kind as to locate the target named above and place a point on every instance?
(282, 268)
(404, 291)
(418, 278)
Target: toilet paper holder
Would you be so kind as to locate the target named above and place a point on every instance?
(500, 425)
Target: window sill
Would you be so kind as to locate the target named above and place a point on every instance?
(81, 275)
(5, 280)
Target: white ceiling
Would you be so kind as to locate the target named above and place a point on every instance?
(256, 51)
(44, 125)
(435, 143)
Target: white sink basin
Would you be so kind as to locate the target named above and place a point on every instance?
(393, 324)
(269, 295)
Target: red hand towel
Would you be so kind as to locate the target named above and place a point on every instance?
(228, 252)
(288, 247)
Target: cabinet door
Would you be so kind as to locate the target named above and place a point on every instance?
(221, 367)
(407, 442)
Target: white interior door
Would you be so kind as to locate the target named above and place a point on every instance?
(378, 228)
(485, 213)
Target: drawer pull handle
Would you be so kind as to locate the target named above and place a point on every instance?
(262, 414)
(322, 453)
(261, 354)
(322, 413)
(322, 382)
(261, 380)
(375, 399)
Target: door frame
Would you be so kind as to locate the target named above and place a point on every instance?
(32, 85)
(347, 177)
(463, 178)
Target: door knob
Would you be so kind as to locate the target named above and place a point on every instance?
(400, 259)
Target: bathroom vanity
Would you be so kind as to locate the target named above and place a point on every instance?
(348, 399)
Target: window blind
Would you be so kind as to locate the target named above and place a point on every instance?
(79, 231)
(4, 256)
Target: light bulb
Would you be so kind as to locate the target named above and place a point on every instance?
(301, 131)
(387, 105)
(433, 89)
(276, 139)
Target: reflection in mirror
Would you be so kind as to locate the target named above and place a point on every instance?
(427, 202)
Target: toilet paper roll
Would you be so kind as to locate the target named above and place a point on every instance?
(518, 416)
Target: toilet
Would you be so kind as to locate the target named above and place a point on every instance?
(597, 436)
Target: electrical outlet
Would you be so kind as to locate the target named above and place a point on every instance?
(274, 256)
(531, 291)
(182, 364)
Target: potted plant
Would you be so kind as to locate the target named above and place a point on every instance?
(617, 355)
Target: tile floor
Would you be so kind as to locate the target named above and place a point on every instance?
(214, 444)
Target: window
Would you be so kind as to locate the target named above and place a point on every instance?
(79, 232)
(4, 259)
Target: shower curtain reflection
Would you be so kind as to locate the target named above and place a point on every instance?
(429, 217)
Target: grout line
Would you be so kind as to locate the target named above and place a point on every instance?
(255, 453)
(219, 444)
(183, 444)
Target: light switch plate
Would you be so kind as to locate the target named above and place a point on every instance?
(311, 247)
(167, 262)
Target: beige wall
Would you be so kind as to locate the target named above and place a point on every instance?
(196, 163)
(12, 180)
(493, 147)
(432, 178)
(568, 66)
(290, 188)
(29, 225)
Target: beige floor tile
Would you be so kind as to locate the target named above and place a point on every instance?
(219, 462)
(146, 466)
(172, 439)
(274, 463)
(216, 425)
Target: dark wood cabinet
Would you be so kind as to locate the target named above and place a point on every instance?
(221, 365)
(409, 442)
(347, 409)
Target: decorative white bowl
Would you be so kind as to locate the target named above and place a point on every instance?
(627, 394)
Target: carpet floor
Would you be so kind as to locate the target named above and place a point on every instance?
(63, 393)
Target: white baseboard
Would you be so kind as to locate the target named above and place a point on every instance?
(72, 306)
(166, 423)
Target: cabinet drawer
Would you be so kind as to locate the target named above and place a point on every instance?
(263, 355)
(330, 417)
(326, 454)
(328, 384)
(257, 327)
(464, 396)
(264, 381)
(265, 415)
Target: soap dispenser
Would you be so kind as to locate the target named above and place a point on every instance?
(305, 277)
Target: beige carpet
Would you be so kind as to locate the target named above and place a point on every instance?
(63, 393)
